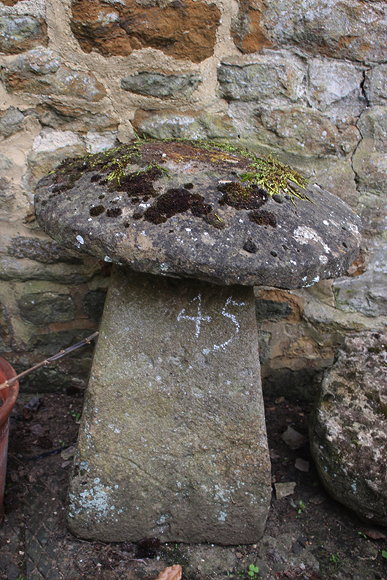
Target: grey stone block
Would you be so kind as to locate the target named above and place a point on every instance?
(160, 85)
(173, 441)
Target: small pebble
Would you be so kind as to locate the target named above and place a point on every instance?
(293, 438)
(284, 489)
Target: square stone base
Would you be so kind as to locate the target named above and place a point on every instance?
(172, 440)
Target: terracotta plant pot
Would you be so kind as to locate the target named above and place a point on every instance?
(7, 401)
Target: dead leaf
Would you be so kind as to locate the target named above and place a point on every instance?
(171, 573)
(374, 534)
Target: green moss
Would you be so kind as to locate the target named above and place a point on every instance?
(276, 178)
(242, 196)
(270, 174)
(263, 218)
(261, 176)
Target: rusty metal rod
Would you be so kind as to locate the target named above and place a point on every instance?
(49, 360)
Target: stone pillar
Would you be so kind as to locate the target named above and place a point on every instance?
(172, 440)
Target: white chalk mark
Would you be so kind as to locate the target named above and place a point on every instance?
(196, 319)
(233, 318)
(199, 318)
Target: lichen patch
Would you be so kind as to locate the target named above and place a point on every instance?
(304, 235)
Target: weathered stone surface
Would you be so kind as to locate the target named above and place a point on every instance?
(294, 351)
(160, 84)
(5, 338)
(96, 142)
(214, 237)
(179, 452)
(367, 293)
(348, 435)
(184, 30)
(247, 30)
(11, 121)
(50, 148)
(264, 77)
(76, 117)
(271, 310)
(174, 125)
(306, 131)
(52, 342)
(65, 375)
(25, 270)
(372, 209)
(21, 32)
(40, 61)
(347, 29)
(336, 83)
(7, 195)
(93, 303)
(375, 85)
(333, 174)
(370, 160)
(45, 307)
(39, 72)
(44, 251)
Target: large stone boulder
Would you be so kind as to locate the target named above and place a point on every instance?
(348, 433)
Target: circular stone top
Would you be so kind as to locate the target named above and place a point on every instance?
(201, 210)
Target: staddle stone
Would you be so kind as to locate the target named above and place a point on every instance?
(173, 441)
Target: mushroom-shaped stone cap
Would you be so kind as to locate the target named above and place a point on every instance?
(202, 210)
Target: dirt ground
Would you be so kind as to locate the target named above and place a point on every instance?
(308, 535)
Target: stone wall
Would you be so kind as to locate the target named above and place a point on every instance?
(303, 79)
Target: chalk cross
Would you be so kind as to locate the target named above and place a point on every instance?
(198, 319)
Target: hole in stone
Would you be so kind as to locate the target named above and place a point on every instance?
(274, 253)
(285, 247)
(188, 185)
(328, 397)
(250, 247)
(102, 196)
(345, 245)
(96, 210)
(114, 212)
